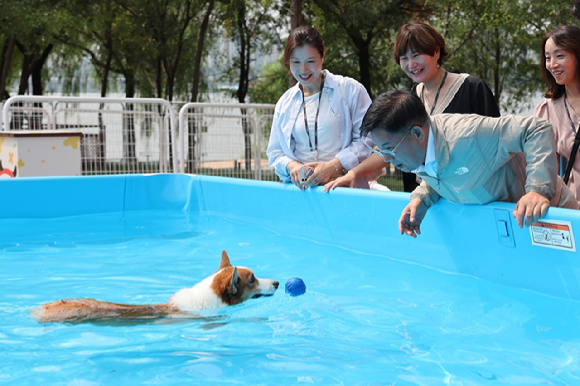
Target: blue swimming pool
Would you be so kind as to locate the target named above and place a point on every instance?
(453, 307)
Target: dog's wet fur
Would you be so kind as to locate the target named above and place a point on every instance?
(227, 286)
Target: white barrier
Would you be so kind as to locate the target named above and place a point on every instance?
(232, 129)
(206, 138)
(120, 148)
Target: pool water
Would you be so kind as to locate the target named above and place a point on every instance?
(364, 320)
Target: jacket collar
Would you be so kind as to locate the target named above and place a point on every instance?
(441, 146)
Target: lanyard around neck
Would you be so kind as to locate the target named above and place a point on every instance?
(575, 146)
(436, 95)
(568, 113)
(315, 119)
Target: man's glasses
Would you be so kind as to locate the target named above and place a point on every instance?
(391, 152)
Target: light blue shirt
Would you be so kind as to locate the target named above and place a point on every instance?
(348, 101)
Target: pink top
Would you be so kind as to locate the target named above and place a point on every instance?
(554, 111)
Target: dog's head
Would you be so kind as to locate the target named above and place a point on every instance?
(238, 284)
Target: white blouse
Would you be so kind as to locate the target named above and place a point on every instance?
(328, 131)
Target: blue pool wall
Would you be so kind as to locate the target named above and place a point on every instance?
(460, 239)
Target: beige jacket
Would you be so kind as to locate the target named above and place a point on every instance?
(482, 159)
(554, 111)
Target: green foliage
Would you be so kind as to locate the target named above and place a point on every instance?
(35, 27)
(360, 34)
(271, 83)
(500, 42)
(252, 26)
(66, 64)
(154, 41)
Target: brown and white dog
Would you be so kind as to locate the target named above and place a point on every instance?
(226, 287)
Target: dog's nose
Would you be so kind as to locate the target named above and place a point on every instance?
(275, 284)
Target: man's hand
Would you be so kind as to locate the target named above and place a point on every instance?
(349, 179)
(412, 217)
(530, 208)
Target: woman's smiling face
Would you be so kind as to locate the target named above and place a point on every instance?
(419, 67)
(306, 67)
(561, 64)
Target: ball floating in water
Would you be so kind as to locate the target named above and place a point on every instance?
(295, 286)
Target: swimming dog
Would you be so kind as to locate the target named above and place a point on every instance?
(226, 287)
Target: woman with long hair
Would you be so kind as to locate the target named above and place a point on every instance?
(316, 125)
(560, 66)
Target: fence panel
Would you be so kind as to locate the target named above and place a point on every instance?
(226, 139)
(120, 135)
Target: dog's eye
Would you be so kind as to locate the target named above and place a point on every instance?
(252, 279)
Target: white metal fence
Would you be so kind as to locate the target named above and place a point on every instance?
(119, 135)
(226, 139)
(142, 135)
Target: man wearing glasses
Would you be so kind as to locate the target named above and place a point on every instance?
(469, 159)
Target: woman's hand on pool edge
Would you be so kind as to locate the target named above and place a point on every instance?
(293, 168)
(411, 217)
(323, 172)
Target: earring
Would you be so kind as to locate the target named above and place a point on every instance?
(438, 66)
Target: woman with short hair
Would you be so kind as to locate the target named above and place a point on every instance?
(420, 52)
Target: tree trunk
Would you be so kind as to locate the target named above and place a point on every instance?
(497, 67)
(295, 22)
(37, 66)
(169, 85)
(129, 120)
(35, 118)
(199, 53)
(295, 14)
(24, 73)
(18, 117)
(192, 126)
(364, 62)
(159, 79)
(244, 81)
(108, 60)
(6, 60)
(104, 86)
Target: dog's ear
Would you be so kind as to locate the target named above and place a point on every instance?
(233, 288)
(225, 260)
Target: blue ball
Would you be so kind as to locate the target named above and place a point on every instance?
(295, 286)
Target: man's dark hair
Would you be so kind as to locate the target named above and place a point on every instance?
(395, 111)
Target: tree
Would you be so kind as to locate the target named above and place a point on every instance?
(108, 38)
(252, 27)
(366, 24)
(271, 83)
(15, 22)
(171, 27)
(31, 27)
(168, 23)
(199, 51)
(192, 126)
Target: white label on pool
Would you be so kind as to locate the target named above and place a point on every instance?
(553, 234)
